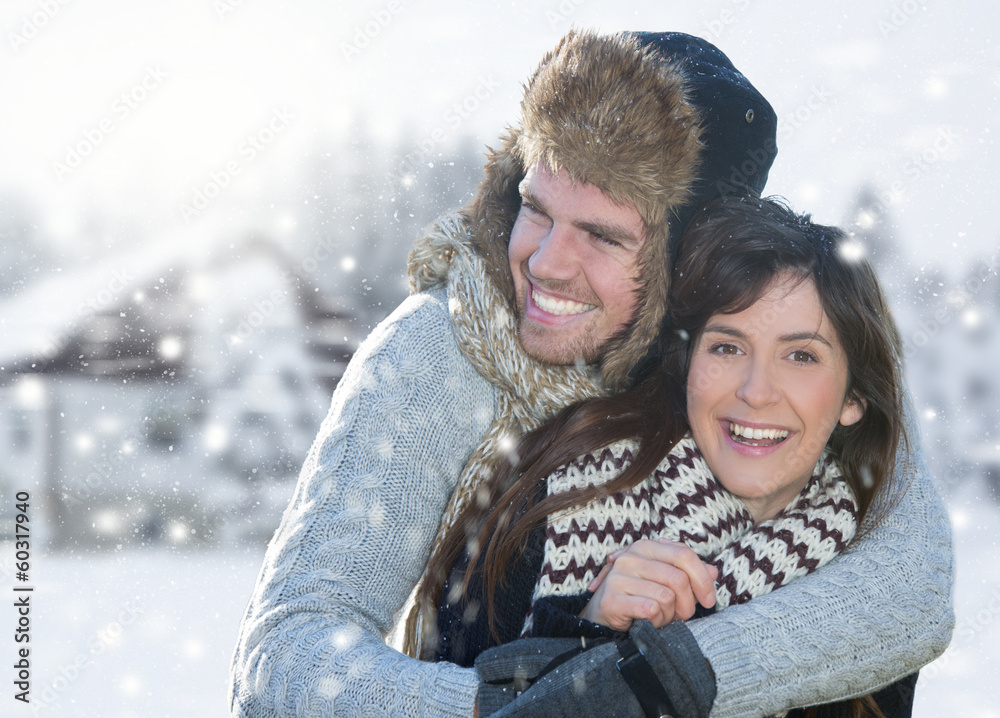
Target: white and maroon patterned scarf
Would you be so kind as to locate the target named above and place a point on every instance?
(682, 501)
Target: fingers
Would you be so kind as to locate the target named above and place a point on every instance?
(628, 609)
(599, 578)
(639, 598)
(700, 580)
(657, 580)
(623, 599)
(653, 580)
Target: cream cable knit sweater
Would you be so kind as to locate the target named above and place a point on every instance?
(353, 541)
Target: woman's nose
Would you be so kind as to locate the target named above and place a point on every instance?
(758, 388)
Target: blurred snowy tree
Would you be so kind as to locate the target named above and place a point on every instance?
(27, 257)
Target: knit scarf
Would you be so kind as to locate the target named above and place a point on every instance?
(682, 501)
(530, 392)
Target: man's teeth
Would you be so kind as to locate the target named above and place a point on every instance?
(747, 433)
(560, 307)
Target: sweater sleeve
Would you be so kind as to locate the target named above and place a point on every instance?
(355, 538)
(877, 612)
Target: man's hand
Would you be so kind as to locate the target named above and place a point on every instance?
(652, 580)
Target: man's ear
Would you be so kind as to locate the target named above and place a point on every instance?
(854, 409)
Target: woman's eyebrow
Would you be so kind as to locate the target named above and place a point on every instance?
(784, 338)
(805, 336)
(724, 329)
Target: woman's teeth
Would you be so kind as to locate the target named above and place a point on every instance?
(745, 432)
(560, 307)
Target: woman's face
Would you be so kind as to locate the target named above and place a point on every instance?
(765, 390)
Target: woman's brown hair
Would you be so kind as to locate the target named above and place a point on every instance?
(729, 256)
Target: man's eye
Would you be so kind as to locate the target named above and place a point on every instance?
(534, 215)
(604, 240)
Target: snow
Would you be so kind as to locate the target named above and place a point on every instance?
(149, 633)
(133, 634)
(963, 682)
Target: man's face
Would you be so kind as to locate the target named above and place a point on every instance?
(574, 258)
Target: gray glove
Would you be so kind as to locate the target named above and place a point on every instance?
(508, 670)
(655, 672)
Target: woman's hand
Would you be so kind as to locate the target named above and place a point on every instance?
(653, 580)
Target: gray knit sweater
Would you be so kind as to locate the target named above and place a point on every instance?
(355, 537)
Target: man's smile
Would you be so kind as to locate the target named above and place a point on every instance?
(558, 307)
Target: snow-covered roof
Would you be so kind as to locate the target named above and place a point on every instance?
(36, 323)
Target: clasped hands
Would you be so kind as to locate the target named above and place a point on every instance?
(655, 580)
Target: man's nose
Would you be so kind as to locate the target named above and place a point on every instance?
(557, 255)
(759, 387)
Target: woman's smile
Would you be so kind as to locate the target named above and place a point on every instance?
(751, 440)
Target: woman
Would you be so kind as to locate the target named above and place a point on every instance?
(783, 364)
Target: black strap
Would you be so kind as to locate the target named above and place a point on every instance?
(642, 681)
(585, 645)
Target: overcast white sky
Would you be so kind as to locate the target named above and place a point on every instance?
(892, 93)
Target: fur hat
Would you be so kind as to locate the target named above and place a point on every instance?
(660, 121)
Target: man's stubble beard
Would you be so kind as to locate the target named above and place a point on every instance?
(558, 351)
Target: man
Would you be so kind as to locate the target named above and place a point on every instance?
(548, 289)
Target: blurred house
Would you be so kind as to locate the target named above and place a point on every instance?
(163, 399)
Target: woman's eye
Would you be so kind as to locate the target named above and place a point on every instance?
(725, 349)
(802, 356)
